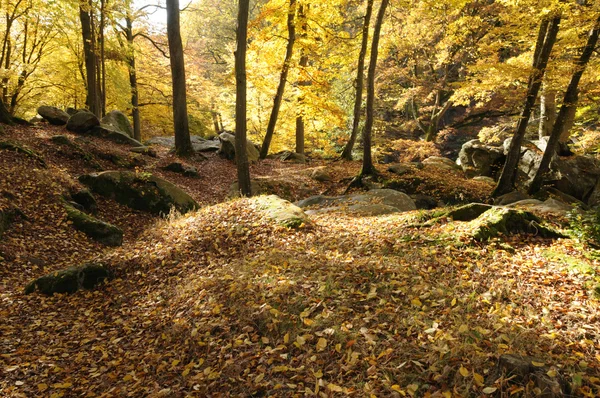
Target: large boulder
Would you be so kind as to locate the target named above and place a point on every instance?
(503, 221)
(371, 203)
(69, 280)
(440, 162)
(53, 115)
(199, 144)
(578, 176)
(288, 156)
(82, 122)
(281, 211)
(140, 191)
(114, 136)
(478, 159)
(98, 230)
(117, 121)
(228, 147)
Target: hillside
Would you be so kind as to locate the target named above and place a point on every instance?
(224, 301)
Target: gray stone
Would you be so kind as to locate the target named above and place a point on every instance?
(281, 211)
(373, 202)
(441, 162)
(510, 197)
(117, 121)
(140, 191)
(399, 168)
(288, 156)
(199, 144)
(53, 115)
(321, 174)
(488, 180)
(228, 147)
(478, 159)
(144, 150)
(114, 136)
(186, 170)
(98, 230)
(82, 122)
(70, 280)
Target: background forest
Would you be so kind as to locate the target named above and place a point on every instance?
(444, 67)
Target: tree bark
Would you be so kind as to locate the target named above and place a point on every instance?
(5, 116)
(103, 5)
(569, 103)
(360, 76)
(545, 42)
(135, 110)
(367, 167)
(547, 112)
(291, 26)
(85, 15)
(300, 129)
(183, 144)
(241, 154)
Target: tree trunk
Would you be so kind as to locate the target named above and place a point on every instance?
(367, 166)
(264, 150)
(300, 129)
(103, 5)
(85, 15)
(5, 116)
(543, 48)
(360, 76)
(183, 144)
(241, 154)
(569, 121)
(547, 112)
(135, 110)
(569, 103)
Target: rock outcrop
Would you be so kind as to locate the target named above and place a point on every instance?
(70, 280)
(53, 115)
(140, 191)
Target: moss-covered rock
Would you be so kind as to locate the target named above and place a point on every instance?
(468, 212)
(140, 191)
(281, 211)
(117, 120)
(70, 280)
(85, 199)
(53, 115)
(98, 230)
(82, 122)
(500, 220)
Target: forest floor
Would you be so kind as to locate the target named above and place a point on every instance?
(224, 302)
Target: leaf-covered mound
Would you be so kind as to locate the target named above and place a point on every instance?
(225, 301)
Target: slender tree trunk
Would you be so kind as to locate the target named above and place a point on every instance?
(291, 25)
(103, 5)
(360, 76)
(367, 166)
(92, 98)
(569, 102)
(183, 144)
(135, 110)
(569, 122)
(5, 116)
(543, 48)
(300, 129)
(6, 67)
(547, 111)
(241, 154)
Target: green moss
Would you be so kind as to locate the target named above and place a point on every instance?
(70, 280)
(98, 230)
(282, 211)
(499, 220)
